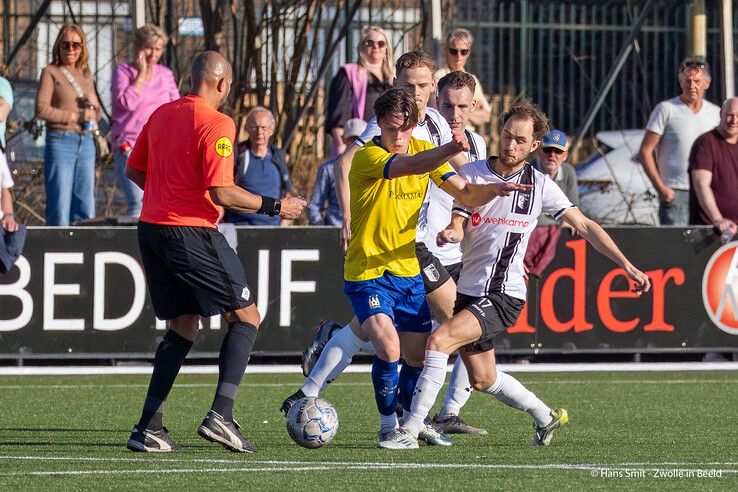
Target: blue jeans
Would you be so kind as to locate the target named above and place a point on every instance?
(131, 191)
(69, 166)
(675, 212)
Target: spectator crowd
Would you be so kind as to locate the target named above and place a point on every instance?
(689, 151)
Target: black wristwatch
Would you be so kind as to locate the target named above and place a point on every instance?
(277, 208)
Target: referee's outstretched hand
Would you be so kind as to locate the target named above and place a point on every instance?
(292, 207)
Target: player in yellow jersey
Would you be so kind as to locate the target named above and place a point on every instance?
(388, 180)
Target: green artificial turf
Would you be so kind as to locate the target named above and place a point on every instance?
(69, 433)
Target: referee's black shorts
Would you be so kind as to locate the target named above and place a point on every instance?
(191, 270)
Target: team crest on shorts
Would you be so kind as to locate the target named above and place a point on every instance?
(432, 273)
(373, 302)
(245, 293)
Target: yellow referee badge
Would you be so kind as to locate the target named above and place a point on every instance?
(224, 147)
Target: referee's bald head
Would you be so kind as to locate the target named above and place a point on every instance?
(211, 76)
(209, 67)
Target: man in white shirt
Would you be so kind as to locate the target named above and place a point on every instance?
(671, 130)
(491, 287)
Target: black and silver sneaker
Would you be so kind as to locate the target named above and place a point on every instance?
(291, 400)
(452, 424)
(149, 441)
(323, 333)
(226, 433)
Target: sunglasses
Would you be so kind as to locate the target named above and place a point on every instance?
(370, 43)
(691, 65)
(456, 52)
(71, 45)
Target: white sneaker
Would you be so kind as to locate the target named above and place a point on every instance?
(430, 435)
(398, 439)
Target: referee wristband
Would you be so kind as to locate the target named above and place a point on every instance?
(269, 206)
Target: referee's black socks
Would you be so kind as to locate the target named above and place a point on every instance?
(234, 355)
(169, 357)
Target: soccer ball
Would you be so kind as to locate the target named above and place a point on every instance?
(312, 422)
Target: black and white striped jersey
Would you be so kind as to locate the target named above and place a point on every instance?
(440, 204)
(496, 234)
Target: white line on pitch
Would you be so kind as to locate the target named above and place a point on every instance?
(322, 466)
(162, 459)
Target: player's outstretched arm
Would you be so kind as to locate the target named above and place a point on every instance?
(458, 161)
(240, 200)
(453, 233)
(476, 195)
(341, 169)
(428, 160)
(602, 242)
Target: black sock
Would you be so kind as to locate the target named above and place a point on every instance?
(168, 360)
(234, 355)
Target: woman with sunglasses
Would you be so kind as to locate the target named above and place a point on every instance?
(67, 101)
(356, 86)
(458, 48)
(138, 88)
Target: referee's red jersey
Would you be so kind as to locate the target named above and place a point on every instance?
(185, 148)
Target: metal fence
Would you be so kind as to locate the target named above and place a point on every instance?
(559, 53)
(556, 52)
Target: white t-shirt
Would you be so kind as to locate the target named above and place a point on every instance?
(496, 234)
(679, 127)
(441, 203)
(6, 179)
(433, 129)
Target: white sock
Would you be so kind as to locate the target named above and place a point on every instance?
(336, 357)
(426, 390)
(511, 392)
(368, 348)
(459, 390)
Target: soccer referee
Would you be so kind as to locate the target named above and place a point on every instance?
(183, 160)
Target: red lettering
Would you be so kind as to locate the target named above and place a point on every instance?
(605, 294)
(659, 279)
(578, 275)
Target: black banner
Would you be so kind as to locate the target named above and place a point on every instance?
(81, 292)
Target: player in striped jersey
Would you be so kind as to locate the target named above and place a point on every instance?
(455, 103)
(491, 287)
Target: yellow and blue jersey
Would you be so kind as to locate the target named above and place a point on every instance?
(384, 212)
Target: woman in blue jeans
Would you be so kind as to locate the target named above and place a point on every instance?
(67, 101)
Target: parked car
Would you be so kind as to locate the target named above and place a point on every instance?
(613, 186)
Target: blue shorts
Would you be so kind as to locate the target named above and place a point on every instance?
(400, 298)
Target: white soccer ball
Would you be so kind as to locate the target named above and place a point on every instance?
(312, 422)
